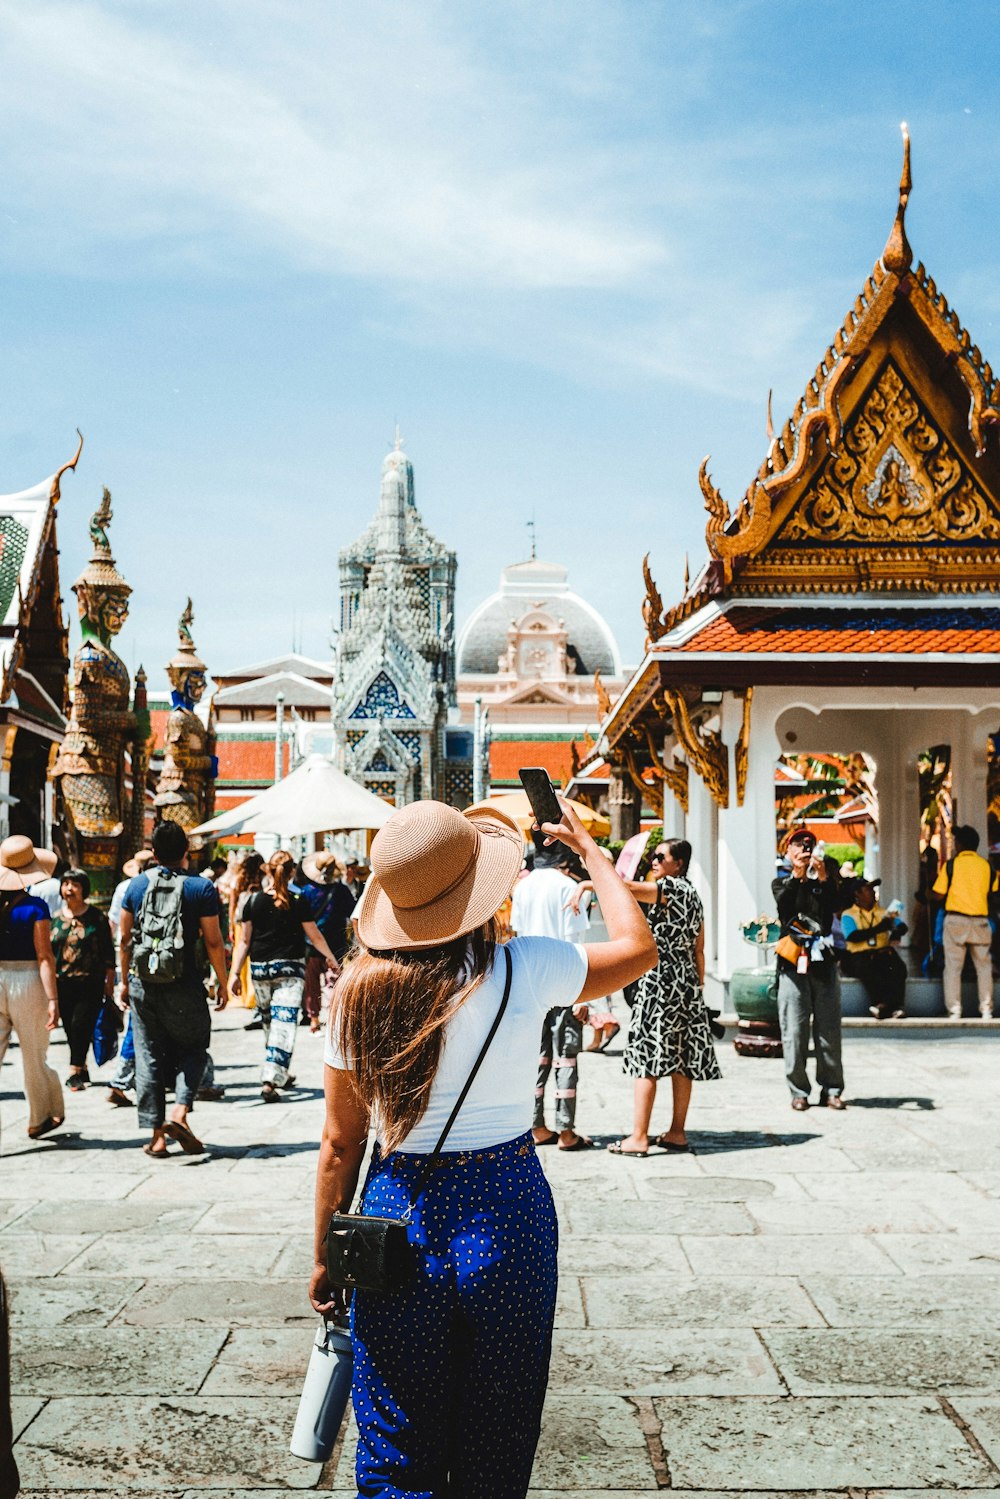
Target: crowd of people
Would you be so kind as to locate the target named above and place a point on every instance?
(268, 932)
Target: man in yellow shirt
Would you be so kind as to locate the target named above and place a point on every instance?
(869, 933)
(967, 882)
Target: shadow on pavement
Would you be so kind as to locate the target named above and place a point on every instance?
(908, 1100)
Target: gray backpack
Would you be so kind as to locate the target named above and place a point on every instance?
(158, 948)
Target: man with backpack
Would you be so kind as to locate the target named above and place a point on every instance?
(165, 913)
(968, 886)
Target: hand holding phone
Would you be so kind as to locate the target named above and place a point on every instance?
(541, 794)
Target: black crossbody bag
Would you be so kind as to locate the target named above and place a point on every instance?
(373, 1254)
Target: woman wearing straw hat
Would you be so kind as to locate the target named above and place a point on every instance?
(450, 1370)
(28, 1001)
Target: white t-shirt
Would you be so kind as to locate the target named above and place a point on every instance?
(538, 906)
(499, 1106)
(50, 891)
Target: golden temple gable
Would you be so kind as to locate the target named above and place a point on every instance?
(886, 477)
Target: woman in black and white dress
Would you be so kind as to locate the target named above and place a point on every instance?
(669, 1035)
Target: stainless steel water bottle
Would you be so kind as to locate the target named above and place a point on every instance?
(325, 1393)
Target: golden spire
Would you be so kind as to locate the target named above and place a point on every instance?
(897, 255)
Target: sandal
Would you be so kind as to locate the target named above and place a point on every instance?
(269, 1093)
(549, 1140)
(616, 1149)
(580, 1143)
(186, 1138)
(671, 1147)
(156, 1155)
(46, 1127)
(608, 1039)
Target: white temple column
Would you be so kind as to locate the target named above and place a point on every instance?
(702, 835)
(747, 845)
(886, 741)
(969, 770)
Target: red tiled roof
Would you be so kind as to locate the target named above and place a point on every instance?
(248, 760)
(554, 755)
(856, 631)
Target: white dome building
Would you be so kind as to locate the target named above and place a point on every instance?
(530, 652)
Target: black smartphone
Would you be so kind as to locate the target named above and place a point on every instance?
(541, 794)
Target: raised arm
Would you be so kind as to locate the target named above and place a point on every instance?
(630, 950)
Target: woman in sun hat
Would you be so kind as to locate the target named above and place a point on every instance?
(450, 1371)
(28, 1000)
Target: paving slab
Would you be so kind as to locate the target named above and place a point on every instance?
(846, 1219)
(114, 1360)
(840, 1442)
(23, 1410)
(904, 1301)
(718, 1189)
(178, 1255)
(983, 1419)
(85, 1216)
(591, 1442)
(642, 1300)
(670, 1215)
(183, 1442)
(884, 1362)
(272, 1359)
(619, 1254)
(794, 1254)
(229, 1303)
(662, 1361)
(70, 1302)
(40, 1254)
(951, 1254)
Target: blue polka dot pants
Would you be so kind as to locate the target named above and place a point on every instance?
(450, 1372)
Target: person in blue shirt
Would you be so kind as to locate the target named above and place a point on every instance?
(321, 881)
(171, 1021)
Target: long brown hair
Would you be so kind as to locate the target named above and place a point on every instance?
(392, 1008)
(281, 867)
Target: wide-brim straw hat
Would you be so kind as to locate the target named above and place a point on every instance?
(140, 862)
(22, 864)
(437, 874)
(322, 868)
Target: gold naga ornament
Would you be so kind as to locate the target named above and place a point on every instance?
(186, 790)
(103, 729)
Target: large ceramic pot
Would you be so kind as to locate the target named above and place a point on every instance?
(753, 995)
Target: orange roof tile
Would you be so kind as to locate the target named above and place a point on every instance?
(554, 755)
(859, 631)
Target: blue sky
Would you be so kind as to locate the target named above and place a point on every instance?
(568, 245)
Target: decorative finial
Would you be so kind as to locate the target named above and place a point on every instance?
(397, 445)
(184, 637)
(770, 423)
(55, 494)
(897, 255)
(687, 574)
(99, 522)
(534, 541)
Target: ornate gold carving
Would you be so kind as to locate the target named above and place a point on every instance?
(894, 478)
(674, 776)
(741, 754)
(55, 493)
(897, 255)
(652, 793)
(703, 747)
(652, 607)
(601, 693)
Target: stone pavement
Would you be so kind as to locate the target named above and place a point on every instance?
(808, 1304)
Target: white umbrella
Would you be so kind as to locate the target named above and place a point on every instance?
(316, 798)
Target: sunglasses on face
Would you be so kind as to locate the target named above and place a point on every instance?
(659, 858)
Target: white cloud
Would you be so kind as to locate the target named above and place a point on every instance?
(378, 147)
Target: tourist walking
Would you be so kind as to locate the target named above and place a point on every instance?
(541, 906)
(450, 1369)
(164, 914)
(808, 981)
(669, 1035)
(29, 1001)
(122, 1080)
(274, 927)
(968, 884)
(248, 880)
(332, 905)
(85, 970)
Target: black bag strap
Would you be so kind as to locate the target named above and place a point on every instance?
(429, 1166)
